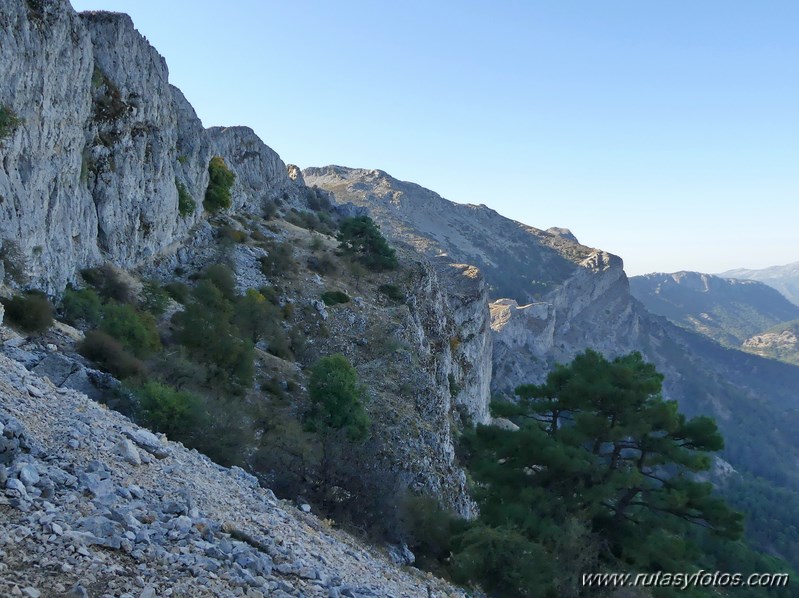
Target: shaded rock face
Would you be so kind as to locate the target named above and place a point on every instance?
(438, 379)
(99, 144)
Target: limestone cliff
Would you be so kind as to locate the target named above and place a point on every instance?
(98, 143)
(552, 296)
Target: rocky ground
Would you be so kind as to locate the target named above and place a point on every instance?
(93, 505)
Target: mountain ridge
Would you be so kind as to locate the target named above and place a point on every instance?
(727, 310)
(784, 278)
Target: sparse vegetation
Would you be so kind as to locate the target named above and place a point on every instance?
(179, 291)
(279, 261)
(154, 298)
(13, 261)
(392, 291)
(217, 196)
(186, 203)
(9, 121)
(323, 264)
(108, 103)
(229, 234)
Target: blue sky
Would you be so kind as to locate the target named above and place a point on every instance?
(664, 132)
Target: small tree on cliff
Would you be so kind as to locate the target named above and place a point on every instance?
(337, 399)
(361, 238)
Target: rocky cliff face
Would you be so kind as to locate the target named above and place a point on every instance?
(99, 143)
(47, 215)
(553, 296)
(260, 173)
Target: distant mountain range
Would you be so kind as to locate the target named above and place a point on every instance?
(783, 278)
(728, 310)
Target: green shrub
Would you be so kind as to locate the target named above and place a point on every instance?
(392, 291)
(109, 282)
(205, 329)
(13, 261)
(176, 413)
(335, 297)
(278, 261)
(186, 203)
(273, 387)
(323, 264)
(31, 313)
(427, 529)
(270, 210)
(135, 330)
(178, 291)
(223, 278)
(82, 305)
(155, 298)
(271, 294)
(316, 243)
(306, 220)
(230, 234)
(337, 399)
(109, 355)
(255, 317)
(8, 121)
(499, 560)
(217, 195)
(361, 238)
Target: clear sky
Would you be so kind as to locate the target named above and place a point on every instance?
(665, 132)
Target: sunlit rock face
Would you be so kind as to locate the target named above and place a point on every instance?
(99, 144)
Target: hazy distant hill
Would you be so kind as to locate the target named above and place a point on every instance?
(727, 310)
(783, 278)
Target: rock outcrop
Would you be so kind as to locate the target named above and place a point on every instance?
(99, 144)
(48, 220)
(260, 173)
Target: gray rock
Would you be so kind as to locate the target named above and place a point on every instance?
(58, 368)
(149, 442)
(16, 487)
(28, 475)
(128, 452)
(77, 591)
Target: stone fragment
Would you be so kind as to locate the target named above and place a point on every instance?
(129, 452)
